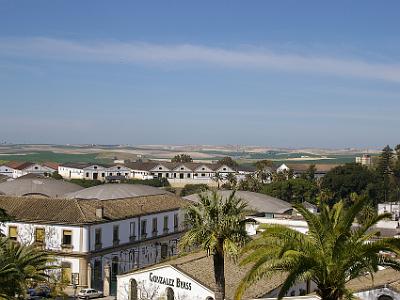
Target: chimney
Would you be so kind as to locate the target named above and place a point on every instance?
(100, 212)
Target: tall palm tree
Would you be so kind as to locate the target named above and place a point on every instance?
(217, 226)
(218, 178)
(232, 180)
(333, 252)
(20, 265)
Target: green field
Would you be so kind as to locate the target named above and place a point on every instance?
(42, 156)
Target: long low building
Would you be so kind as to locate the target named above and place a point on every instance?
(178, 174)
(96, 239)
(15, 169)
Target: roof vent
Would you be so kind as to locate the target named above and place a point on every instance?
(100, 212)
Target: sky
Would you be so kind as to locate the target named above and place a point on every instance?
(273, 73)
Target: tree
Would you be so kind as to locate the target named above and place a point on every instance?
(330, 254)
(218, 178)
(310, 173)
(182, 158)
(264, 169)
(216, 226)
(20, 265)
(293, 190)
(190, 189)
(55, 175)
(385, 170)
(232, 180)
(250, 183)
(347, 179)
(228, 161)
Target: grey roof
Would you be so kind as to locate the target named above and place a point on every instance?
(116, 191)
(255, 201)
(74, 211)
(46, 187)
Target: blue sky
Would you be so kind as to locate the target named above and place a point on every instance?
(283, 73)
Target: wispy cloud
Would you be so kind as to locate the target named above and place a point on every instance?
(156, 54)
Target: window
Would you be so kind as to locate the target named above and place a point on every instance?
(160, 168)
(36, 168)
(67, 238)
(176, 221)
(181, 175)
(188, 175)
(39, 235)
(203, 169)
(126, 174)
(132, 231)
(143, 229)
(154, 231)
(134, 290)
(174, 175)
(102, 174)
(116, 233)
(182, 168)
(118, 174)
(167, 175)
(118, 168)
(95, 167)
(97, 238)
(87, 174)
(164, 251)
(224, 169)
(203, 175)
(165, 227)
(110, 174)
(13, 233)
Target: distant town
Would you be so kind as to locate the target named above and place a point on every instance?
(117, 228)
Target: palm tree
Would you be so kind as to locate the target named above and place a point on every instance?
(333, 252)
(217, 178)
(232, 180)
(217, 226)
(20, 265)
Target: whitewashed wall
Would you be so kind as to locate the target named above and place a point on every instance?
(53, 235)
(191, 289)
(376, 293)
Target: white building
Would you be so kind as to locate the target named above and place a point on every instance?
(18, 169)
(94, 240)
(364, 160)
(177, 174)
(191, 277)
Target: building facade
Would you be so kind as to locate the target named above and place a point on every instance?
(95, 240)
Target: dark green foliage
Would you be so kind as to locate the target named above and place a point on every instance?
(331, 254)
(190, 189)
(86, 183)
(21, 265)
(183, 158)
(229, 162)
(216, 226)
(293, 190)
(57, 176)
(156, 182)
(344, 180)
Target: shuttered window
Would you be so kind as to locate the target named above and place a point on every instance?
(39, 235)
(13, 233)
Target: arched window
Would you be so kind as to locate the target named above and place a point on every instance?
(385, 297)
(133, 290)
(170, 294)
(209, 298)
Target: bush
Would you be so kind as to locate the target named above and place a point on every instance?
(156, 182)
(190, 189)
(57, 176)
(86, 183)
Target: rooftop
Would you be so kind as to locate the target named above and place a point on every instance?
(78, 212)
(115, 191)
(36, 185)
(255, 201)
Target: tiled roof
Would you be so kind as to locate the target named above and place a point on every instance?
(77, 212)
(387, 277)
(19, 165)
(147, 166)
(51, 164)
